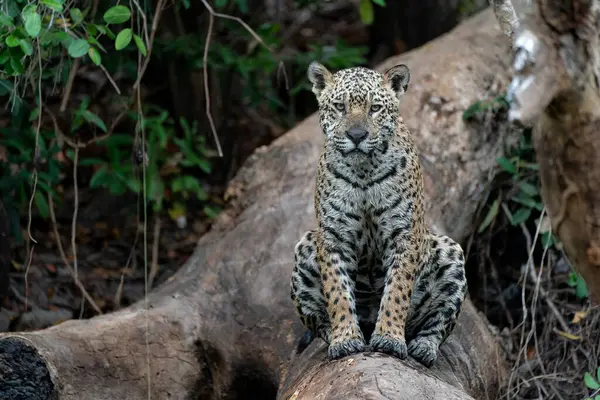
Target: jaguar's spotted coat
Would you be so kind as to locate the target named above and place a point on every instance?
(372, 265)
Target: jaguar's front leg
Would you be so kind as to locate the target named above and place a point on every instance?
(338, 264)
(388, 336)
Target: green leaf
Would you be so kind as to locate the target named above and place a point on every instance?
(547, 240)
(16, 66)
(211, 212)
(220, 3)
(28, 10)
(140, 44)
(6, 20)
(572, 279)
(590, 382)
(528, 188)
(89, 161)
(26, 46)
(366, 12)
(94, 119)
(242, 5)
(520, 216)
(94, 56)
(490, 216)
(598, 374)
(96, 43)
(78, 48)
(597, 397)
(42, 204)
(11, 41)
(76, 15)
(123, 39)
(54, 5)
(507, 165)
(204, 165)
(92, 30)
(528, 165)
(379, 2)
(117, 15)
(581, 288)
(33, 24)
(5, 87)
(472, 111)
(525, 200)
(100, 178)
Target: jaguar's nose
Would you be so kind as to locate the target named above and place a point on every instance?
(356, 134)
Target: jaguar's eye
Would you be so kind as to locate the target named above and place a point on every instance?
(375, 107)
(339, 106)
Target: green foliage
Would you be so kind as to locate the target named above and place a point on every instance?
(518, 172)
(257, 68)
(17, 177)
(576, 281)
(54, 33)
(496, 104)
(519, 192)
(593, 384)
(366, 10)
(49, 28)
(165, 170)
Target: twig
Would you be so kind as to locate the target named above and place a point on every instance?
(29, 258)
(536, 280)
(80, 145)
(140, 124)
(150, 45)
(110, 79)
(144, 22)
(155, 246)
(20, 297)
(63, 255)
(211, 20)
(36, 154)
(69, 85)
(214, 14)
(75, 210)
(119, 293)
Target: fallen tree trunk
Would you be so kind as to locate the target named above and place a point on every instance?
(556, 88)
(448, 75)
(223, 326)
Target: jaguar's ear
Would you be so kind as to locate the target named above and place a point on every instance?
(319, 76)
(397, 79)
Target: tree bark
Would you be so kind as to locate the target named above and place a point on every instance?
(223, 326)
(556, 88)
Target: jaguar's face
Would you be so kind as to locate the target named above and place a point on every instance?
(358, 107)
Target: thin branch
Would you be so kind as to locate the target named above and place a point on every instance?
(36, 154)
(214, 14)
(206, 88)
(69, 85)
(144, 23)
(75, 211)
(110, 79)
(155, 247)
(63, 255)
(80, 145)
(238, 20)
(155, 19)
